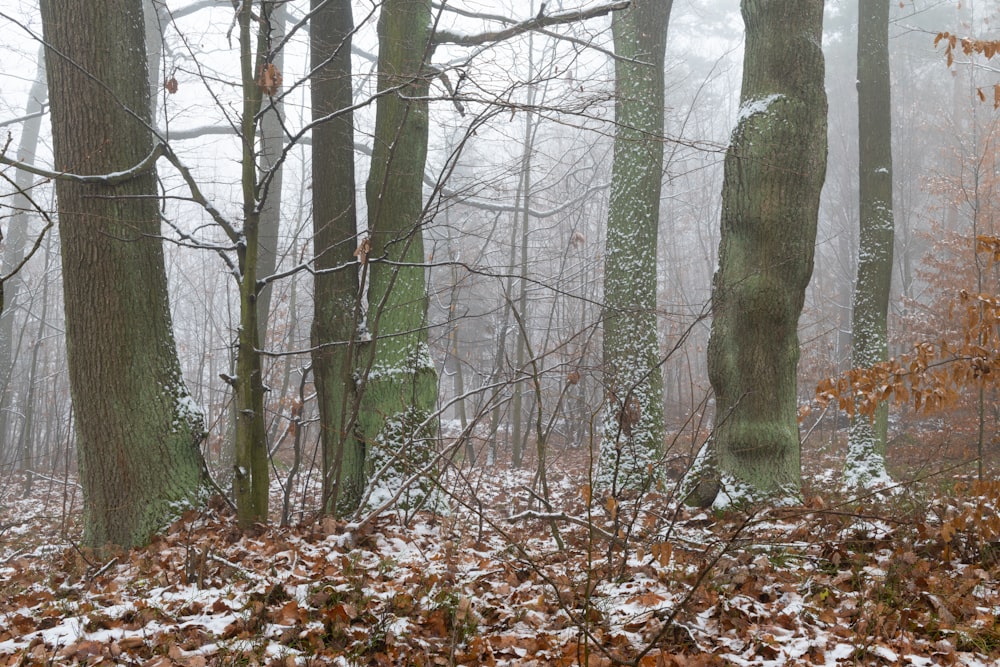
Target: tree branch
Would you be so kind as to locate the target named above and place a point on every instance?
(200, 199)
(21, 119)
(483, 204)
(49, 223)
(536, 23)
(114, 178)
(567, 518)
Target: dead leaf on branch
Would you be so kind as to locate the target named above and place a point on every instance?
(363, 250)
(269, 80)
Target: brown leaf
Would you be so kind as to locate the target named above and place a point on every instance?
(82, 651)
(289, 614)
(363, 249)
(269, 80)
(647, 599)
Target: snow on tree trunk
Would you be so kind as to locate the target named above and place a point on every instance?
(633, 434)
(865, 466)
(138, 431)
(774, 173)
(396, 378)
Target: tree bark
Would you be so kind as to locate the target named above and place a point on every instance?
(774, 173)
(335, 232)
(869, 328)
(251, 482)
(398, 380)
(138, 430)
(272, 141)
(633, 413)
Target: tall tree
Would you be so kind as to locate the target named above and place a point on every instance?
(398, 380)
(774, 171)
(334, 241)
(633, 422)
(272, 143)
(138, 431)
(867, 442)
(251, 479)
(16, 241)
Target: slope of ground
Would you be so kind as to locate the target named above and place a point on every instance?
(902, 579)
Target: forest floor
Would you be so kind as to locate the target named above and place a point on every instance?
(908, 578)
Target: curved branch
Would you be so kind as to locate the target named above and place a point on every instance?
(518, 28)
(114, 178)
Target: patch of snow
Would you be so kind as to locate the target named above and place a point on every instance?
(752, 107)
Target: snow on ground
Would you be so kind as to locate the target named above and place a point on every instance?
(593, 582)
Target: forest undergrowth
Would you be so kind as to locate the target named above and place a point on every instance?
(907, 578)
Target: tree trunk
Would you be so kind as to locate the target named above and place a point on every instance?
(869, 330)
(15, 243)
(335, 320)
(633, 435)
(272, 141)
(137, 428)
(155, 16)
(251, 481)
(518, 434)
(774, 173)
(398, 380)
(453, 360)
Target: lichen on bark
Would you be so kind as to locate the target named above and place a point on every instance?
(632, 431)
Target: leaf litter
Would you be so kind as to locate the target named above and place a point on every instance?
(908, 580)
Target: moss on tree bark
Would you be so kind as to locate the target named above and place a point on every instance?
(774, 173)
(251, 482)
(869, 317)
(397, 380)
(138, 431)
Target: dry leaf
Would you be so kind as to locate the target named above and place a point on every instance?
(269, 80)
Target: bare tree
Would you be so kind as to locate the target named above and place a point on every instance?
(774, 173)
(869, 325)
(138, 431)
(632, 441)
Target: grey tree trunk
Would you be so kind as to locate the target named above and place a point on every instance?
(138, 431)
(30, 456)
(518, 432)
(774, 173)
(632, 441)
(155, 16)
(272, 141)
(16, 240)
(335, 319)
(869, 328)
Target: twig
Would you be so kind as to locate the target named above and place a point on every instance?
(562, 516)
